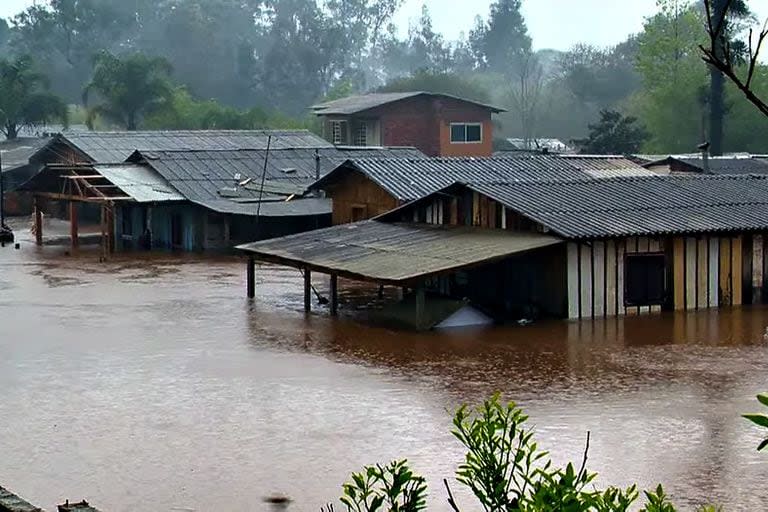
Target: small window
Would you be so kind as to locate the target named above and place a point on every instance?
(339, 132)
(466, 133)
(645, 280)
(361, 134)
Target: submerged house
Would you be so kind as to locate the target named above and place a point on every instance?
(364, 188)
(436, 124)
(570, 249)
(232, 189)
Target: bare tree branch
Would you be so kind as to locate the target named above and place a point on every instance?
(718, 54)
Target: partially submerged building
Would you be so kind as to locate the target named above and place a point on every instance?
(575, 249)
(436, 124)
(234, 189)
(364, 188)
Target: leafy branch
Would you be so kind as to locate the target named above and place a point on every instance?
(718, 53)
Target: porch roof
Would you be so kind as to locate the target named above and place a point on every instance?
(392, 253)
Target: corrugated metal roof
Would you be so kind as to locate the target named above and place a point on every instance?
(639, 206)
(607, 166)
(394, 253)
(360, 103)
(726, 165)
(410, 179)
(140, 182)
(10, 501)
(307, 206)
(204, 175)
(116, 147)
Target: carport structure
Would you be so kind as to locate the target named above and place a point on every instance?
(101, 184)
(395, 254)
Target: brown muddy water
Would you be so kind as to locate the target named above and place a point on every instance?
(153, 384)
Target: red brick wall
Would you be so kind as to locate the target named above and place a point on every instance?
(425, 122)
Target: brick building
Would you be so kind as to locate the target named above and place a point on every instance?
(436, 124)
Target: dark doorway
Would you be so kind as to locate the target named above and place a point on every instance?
(645, 279)
(177, 231)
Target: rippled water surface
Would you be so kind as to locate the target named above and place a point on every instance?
(151, 383)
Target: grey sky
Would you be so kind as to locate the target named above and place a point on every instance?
(555, 24)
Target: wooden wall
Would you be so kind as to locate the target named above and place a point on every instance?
(357, 191)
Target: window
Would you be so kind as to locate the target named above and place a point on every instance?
(466, 133)
(361, 134)
(339, 132)
(644, 279)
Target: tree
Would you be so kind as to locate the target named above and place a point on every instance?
(721, 14)
(525, 94)
(25, 98)
(718, 55)
(614, 134)
(128, 88)
(503, 39)
(445, 83)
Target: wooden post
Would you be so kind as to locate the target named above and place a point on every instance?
(307, 290)
(73, 225)
(381, 292)
(251, 277)
(334, 295)
(421, 300)
(38, 224)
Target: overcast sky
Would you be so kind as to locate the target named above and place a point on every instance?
(555, 24)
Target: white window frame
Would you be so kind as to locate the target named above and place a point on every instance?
(465, 125)
(361, 129)
(336, 124)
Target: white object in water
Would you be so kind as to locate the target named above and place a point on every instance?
(466, 316)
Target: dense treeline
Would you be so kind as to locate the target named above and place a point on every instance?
(248, 63)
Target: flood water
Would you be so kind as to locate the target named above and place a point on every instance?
(153, 384)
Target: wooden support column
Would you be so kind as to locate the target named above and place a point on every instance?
(421, 302)
(250, 276)
(73, 225)
(334, 295)
(307, 290)
(38, 223)
(380, 295)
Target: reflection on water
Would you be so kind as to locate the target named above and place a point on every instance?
(154, 385)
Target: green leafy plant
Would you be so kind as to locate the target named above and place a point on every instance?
(391, 488)
(501, 455)
(760, 420)
(658, 501)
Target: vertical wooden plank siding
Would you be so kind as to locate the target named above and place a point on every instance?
(631, 246)
(492, 214)
(585, 265)
(678, 276)
(690, 273)
(573, 280)
(598, 278)
(454, 211)
(620, 249)
(702, 273)
(610, 278)
(726, 291)
(654, 245)
(736, 270)
(757, 269)
(503, 217)
(714, 274)
(475, 209)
